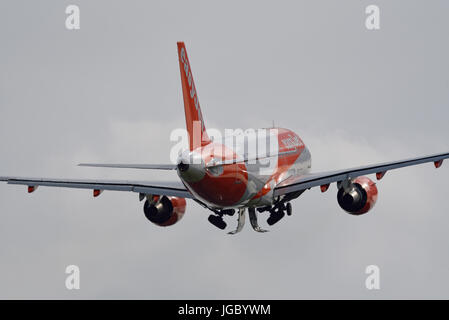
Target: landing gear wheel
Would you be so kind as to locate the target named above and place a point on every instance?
(275, 216)
(217, 221)
(289, 209)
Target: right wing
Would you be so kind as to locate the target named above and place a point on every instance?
(172, 188)
(306, 181)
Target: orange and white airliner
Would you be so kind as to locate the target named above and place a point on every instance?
(224, 177)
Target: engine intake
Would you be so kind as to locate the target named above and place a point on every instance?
(164, 211)
(359, 197)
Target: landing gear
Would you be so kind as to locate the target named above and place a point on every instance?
(278, 212)
(275, 216)
(240, 221)
(253, 219)
(288, 208)
(217, 218)
(217, 221)
(263, 209)
(228, 212)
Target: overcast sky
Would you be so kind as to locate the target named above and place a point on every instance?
(110, 92)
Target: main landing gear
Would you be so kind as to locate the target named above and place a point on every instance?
(277, 212)
(217, 218)
(217, 221)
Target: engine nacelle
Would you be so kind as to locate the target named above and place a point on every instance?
(359, 197)
(164, 211)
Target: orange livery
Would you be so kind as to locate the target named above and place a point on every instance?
(252, 171)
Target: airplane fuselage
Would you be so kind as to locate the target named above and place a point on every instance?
(255, 161)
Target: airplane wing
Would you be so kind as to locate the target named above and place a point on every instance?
(302, 182)
(130, 166)
(168, 188)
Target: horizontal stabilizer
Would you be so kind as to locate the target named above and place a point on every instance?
(245, 159)
(131, 166)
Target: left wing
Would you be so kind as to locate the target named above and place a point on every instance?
(130, 166)
(307, 181)
(168, 188)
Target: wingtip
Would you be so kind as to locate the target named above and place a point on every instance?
(84, 165)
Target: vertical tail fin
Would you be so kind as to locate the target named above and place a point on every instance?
(194, 119)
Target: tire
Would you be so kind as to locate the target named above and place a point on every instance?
(217, 221)
(275, 217)
(289, 209)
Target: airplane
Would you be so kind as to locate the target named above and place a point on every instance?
(227, 178)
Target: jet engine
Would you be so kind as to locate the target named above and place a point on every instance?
(164, 211)
(358, 197)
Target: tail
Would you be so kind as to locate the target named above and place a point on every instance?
(194, 119)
